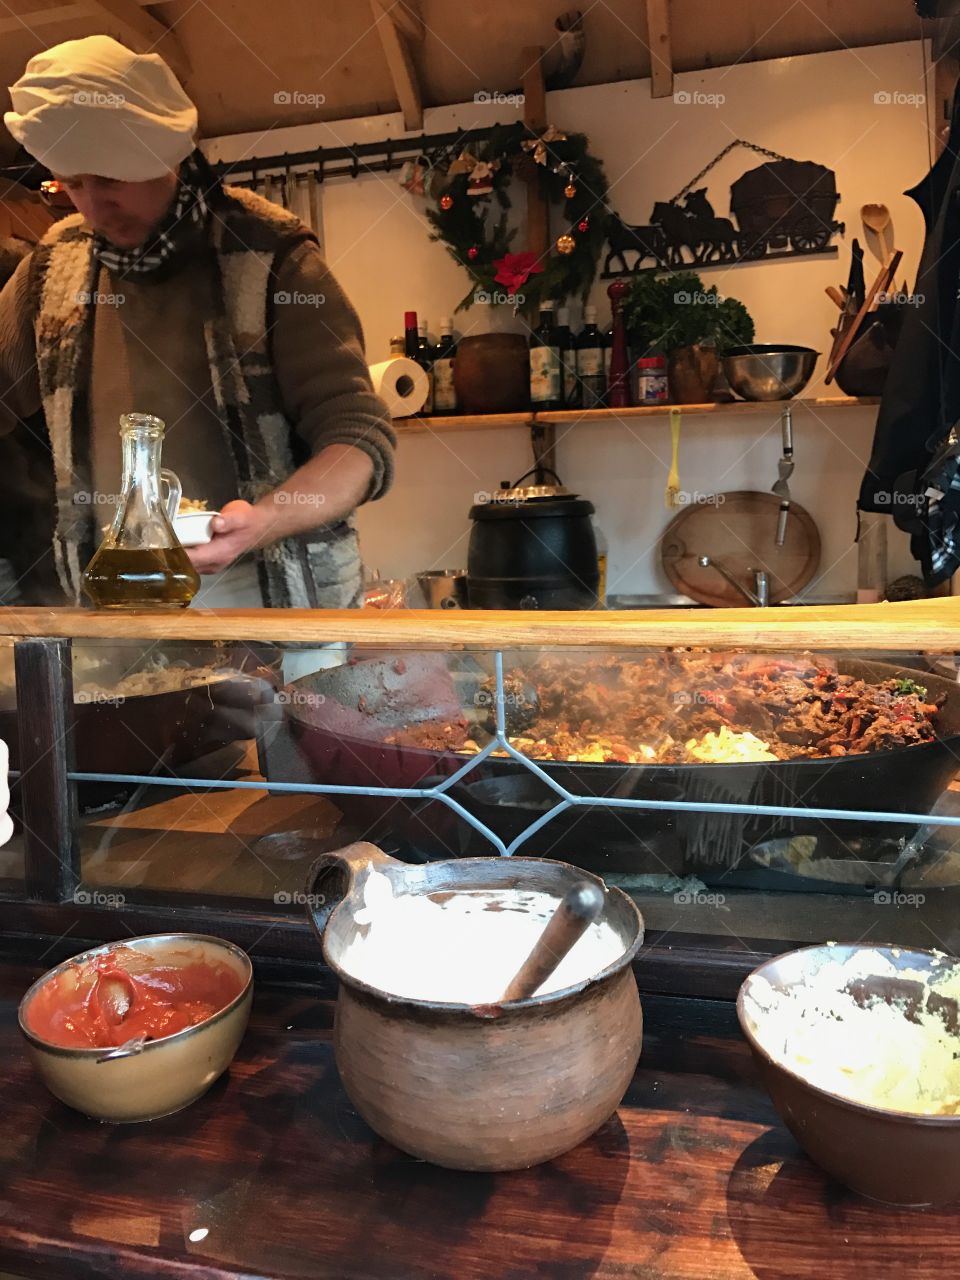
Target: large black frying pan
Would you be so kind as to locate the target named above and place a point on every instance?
(342, 716)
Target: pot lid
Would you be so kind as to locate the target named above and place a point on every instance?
(531, 492)
(538, 489)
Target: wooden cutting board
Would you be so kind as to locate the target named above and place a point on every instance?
(739, 529)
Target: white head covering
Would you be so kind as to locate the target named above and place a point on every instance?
(93, 106)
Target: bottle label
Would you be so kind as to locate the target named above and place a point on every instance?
(589, 361)
(428, 403)
(570, 384)
(444, 392)
(652, 386)
(546, 375)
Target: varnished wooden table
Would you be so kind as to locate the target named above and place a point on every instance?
(273, 1176)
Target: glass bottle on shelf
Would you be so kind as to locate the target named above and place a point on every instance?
(568, 359)
(546, 369)
(140, 563)
(444, 392)
(591, 361)
(424, 357)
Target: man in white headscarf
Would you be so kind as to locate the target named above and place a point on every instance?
(207, 306)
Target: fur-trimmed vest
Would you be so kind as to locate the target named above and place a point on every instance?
(250, 237)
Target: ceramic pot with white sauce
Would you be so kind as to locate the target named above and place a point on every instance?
(482, 1086)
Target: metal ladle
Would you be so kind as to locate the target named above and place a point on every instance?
(577, 910)
(784, 471)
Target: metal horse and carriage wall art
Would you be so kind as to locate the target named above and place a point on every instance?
(781, 209)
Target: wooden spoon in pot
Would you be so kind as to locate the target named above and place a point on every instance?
(576, 911)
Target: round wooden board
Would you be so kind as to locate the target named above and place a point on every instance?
(739, 529)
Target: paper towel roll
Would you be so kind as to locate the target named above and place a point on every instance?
(402, 383)
(6, 822)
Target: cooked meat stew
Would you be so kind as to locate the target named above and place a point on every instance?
(693, 707)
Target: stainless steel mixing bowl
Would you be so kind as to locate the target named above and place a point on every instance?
(761, 372)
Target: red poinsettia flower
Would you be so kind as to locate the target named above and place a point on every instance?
(515, 269)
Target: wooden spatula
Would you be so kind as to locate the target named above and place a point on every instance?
(577, 910)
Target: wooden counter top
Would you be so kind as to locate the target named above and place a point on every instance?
(273, 1176)
(932, 625)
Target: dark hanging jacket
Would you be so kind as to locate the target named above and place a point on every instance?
(921, 399)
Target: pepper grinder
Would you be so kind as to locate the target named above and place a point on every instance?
(618, 383)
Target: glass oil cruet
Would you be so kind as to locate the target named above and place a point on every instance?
(140, 564)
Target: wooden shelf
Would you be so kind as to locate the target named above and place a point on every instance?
(487, 422)
(905, 626)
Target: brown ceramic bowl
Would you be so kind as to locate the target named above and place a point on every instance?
(491, 1087)
(894, 1156)
(164, 1075)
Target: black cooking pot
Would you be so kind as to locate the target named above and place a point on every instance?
(532, 548)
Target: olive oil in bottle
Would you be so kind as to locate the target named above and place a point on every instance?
(140, 564)
(138, 578)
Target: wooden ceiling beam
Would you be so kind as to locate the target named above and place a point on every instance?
(661, 56)
(403, 73)
(10, 23)
(140, 31)
(406, 17)
(43, 17)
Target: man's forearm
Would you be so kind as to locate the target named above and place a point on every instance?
(326, 489)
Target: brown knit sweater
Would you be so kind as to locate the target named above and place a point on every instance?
(149, 356)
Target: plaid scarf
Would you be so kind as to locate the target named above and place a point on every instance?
(187, 215)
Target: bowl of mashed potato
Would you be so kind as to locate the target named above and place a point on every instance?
(859, 1047)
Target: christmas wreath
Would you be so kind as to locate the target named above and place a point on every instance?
(478, 180)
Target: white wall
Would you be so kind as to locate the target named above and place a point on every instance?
(822, 107)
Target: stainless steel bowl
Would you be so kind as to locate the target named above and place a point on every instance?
(444, 588)
(761, 372)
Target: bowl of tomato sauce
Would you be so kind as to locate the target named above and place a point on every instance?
(137, 1030)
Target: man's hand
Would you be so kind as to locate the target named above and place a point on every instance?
(322, 491)
(238, 528)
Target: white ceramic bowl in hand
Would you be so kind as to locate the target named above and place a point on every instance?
(193, 527)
